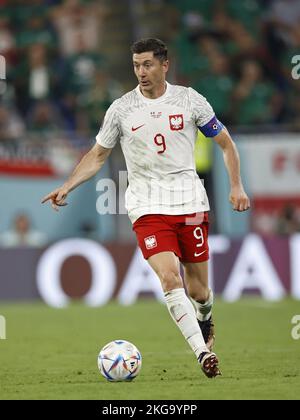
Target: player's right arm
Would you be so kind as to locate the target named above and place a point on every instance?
(90, 164)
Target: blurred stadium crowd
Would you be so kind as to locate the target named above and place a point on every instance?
(237, 53)
(55, 69)
(59, 80)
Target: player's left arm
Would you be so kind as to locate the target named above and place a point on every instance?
(238, 198)
(211, 127)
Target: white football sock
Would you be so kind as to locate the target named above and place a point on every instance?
(183, 314)
(203, 310)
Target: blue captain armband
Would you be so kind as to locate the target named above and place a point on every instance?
(212, 128)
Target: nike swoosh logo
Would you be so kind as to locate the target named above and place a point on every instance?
(177, 320)
(198, 255)
(136, 128)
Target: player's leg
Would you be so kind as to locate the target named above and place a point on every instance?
(193, 243)
(196, 280)
(166, 266)
(158, 241)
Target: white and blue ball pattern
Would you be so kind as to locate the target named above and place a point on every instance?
(119, 360)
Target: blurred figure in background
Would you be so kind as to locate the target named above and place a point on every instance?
(7, 40)
(95, 100)
(35, 78)
(22, 234)
(44, 119)
(79, 78)
(11, 125)
(73, 20)
(253, 96)
(217, 83)
(288, 221)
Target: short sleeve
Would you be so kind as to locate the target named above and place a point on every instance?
(110, 131)
(201, 108)
(205, 117)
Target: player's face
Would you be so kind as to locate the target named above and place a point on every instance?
(150, 71)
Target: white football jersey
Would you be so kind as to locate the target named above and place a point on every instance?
(157, 139)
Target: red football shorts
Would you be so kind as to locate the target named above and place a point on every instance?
(186, 235)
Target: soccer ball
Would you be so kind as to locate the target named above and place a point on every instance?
(119, 360)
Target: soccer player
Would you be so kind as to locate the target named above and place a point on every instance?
(156, 124)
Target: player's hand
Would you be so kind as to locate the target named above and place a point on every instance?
(57, 198)
(239, 199)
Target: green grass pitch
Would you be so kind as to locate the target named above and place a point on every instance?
(52, 354)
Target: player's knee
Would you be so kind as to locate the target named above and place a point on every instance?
(200, 294)
(170, 279)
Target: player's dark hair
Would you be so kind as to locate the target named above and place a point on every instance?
(154, 45)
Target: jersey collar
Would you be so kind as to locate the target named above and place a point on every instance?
(159, 99)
